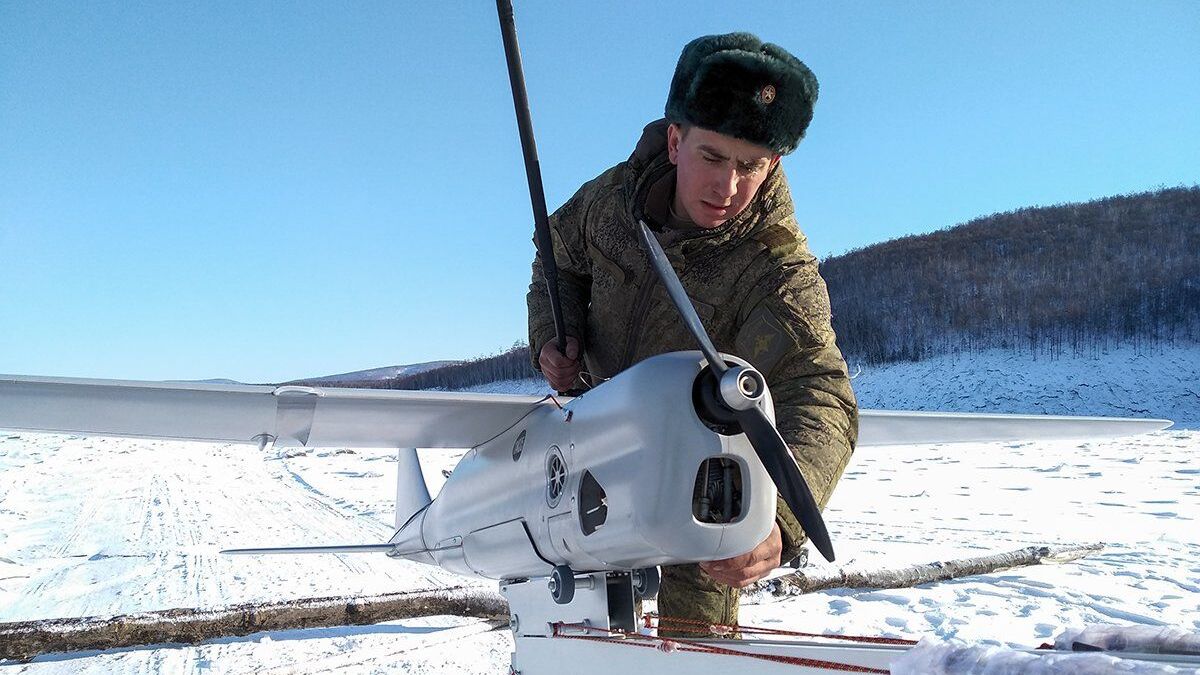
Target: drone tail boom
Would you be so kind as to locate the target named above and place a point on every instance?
(352, 548)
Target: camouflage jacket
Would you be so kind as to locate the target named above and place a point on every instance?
(753, 281)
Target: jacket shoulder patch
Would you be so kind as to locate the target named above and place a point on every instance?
(778, 239)
(762, 340)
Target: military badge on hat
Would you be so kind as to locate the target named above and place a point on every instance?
(740, 86)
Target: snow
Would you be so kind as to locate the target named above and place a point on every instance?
(108, 526)
(931, 657)
(99, 526)
(908, 505)
(528, 387)
(1161, 381)
(1148, 639)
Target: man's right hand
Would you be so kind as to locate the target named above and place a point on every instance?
(560, 369)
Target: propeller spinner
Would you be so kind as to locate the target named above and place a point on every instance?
(733, 394)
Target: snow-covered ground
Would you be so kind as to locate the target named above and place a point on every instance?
(1160, 381)
(103, 527)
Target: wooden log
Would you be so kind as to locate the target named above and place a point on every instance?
(809, 581)
(26, 639)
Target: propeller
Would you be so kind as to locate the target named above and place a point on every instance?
(739, 390)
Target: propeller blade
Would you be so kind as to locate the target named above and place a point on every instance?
(764, 438)
(777, 459)
(680, 298)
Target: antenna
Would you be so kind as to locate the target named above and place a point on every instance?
(533, 171)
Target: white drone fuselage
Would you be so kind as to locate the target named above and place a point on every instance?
(607, 482)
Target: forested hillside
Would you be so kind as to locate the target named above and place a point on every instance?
(1070, 278)
(511, 364)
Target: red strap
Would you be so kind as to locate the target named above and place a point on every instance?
(679, 644)
(702, 627)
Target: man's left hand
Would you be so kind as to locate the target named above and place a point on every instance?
(745, 569)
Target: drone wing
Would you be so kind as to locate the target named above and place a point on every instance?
(230, 413)
(351, 418)
(895, 427)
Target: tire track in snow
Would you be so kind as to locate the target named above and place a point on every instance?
(144, 522)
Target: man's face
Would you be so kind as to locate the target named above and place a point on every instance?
(716, 175)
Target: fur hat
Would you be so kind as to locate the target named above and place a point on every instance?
(740, 86)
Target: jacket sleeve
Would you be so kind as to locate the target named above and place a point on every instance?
(568, 229)
(787, 333)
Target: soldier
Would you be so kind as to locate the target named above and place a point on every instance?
(707, 180)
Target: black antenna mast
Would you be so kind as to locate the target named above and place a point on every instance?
(533, 171)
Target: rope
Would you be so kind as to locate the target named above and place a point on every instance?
(681, 644)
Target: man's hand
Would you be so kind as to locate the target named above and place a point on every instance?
(748, 568)
(560, 369)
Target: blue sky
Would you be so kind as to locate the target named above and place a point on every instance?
(267, 190)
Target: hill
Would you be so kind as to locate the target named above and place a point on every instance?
(373, 378)
(1075, 278)
(1090, 308)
